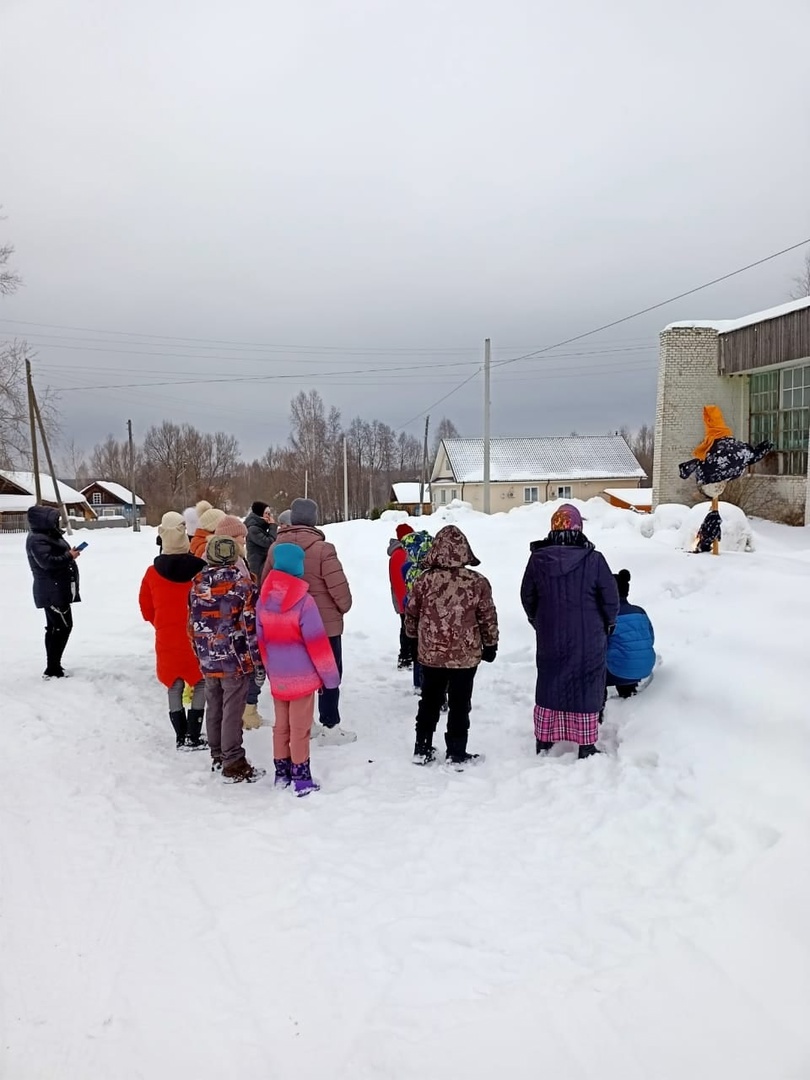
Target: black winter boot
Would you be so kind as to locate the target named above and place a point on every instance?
(178, 719)
(541, 747)
(194, 741)
(587, 751)
(423, 753)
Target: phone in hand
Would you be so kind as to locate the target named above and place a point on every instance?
(81, 546)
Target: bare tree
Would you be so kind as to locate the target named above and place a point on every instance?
(10, 281)
(642, 443)
(15, 433)
(801, 282)
(446, 430)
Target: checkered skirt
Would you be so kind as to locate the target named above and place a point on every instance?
(554, 725)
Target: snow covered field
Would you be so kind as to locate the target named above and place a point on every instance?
(637, 916)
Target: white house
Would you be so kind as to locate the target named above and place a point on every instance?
(18, 492)
(757, 370)
(527, 470)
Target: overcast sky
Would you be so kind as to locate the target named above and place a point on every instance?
(368, 189)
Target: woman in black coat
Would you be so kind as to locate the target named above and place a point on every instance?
(56, 582)
(571, 599)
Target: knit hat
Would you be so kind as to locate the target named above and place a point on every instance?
(221, 551)
(231, 526)
(304, 512)
(404, 530)
(289, 559)
(284, 518)
(202, 506)
(623, 583)
(192, 519)
(259, 507)
(210, 518)
(566, 517)
(173, 535)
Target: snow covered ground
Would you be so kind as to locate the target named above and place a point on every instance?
(637, 916)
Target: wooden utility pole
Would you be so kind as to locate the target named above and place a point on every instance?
(49, 459)
(136, 521)
(424, 466)
(346, 478)
(32, 422)
(487, 404)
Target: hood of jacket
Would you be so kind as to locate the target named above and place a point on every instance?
(281, 591)
(557, 560)
(303, 535)
(43, 519)
(451, 550)
(178, 568)
(417, 545)
(257, 520)
(394, 545)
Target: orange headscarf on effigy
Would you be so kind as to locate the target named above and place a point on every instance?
(716, 428)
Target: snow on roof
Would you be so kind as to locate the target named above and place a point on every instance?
(725, 326)
(16, 504)
(409, 493)
(568, 457)
(25, 480)
(118, 491)
(632, 496)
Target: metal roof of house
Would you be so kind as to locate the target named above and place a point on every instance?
(568, 457)
(409, 493)
(25, 480)
(726, 326)
(118, 491)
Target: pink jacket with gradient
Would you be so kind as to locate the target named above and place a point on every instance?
(296, 652)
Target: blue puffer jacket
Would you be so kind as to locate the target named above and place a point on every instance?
(630, 653)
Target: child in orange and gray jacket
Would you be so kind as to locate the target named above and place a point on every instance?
(222, 628)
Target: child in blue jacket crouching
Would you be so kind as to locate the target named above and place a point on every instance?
(630, 651)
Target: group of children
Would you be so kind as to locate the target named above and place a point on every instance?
(221, 630)
(220, 635)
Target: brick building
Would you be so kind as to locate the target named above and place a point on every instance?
(757, 370)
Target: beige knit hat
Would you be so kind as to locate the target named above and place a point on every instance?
(221, 550)
(210, 518)
(202, 506)
(173, 535)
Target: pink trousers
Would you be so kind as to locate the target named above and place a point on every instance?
(293, 727)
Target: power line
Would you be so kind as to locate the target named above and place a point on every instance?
(655, 307)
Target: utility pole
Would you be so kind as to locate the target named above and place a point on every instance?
(32, 422)
(370, 494)
(345, 481)
(49, 459)
(424, 465)
(136, 521)
(487, 405)
(306, 483)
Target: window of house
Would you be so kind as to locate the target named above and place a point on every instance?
(96, 498)
(779, 407)
(453, 494)
(444, 495)
(564, 491)
(531, 494)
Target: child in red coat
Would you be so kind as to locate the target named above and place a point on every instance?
(397, 557)
(164, 603)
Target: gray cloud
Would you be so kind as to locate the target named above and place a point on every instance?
(382, 177)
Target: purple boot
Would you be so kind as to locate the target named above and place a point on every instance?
(283, 772)
(302, 780)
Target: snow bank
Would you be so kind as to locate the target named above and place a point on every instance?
(737, 532)
(641, 914)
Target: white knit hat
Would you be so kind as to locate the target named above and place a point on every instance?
(173, 535)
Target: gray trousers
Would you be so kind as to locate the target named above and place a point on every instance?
(225, 701)
(176, 695)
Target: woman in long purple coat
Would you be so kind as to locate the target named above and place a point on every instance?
(571, 599)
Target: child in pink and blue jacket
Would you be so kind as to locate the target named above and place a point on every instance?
(298, 660)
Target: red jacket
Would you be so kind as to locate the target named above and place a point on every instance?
(164, 604)
(397, 557)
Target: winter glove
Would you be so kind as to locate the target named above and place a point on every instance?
(259, 677)
(488, 653)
